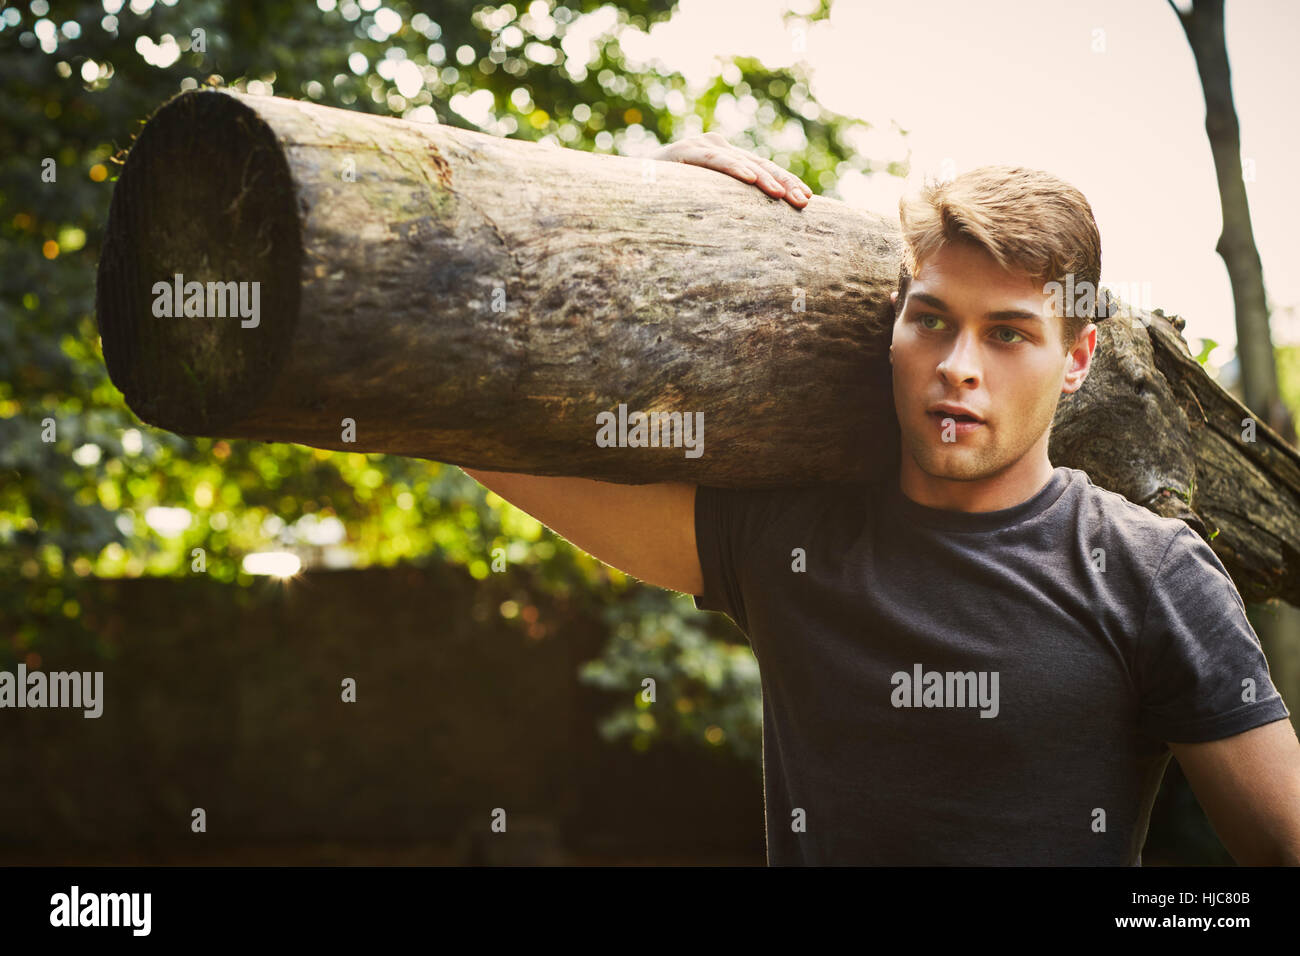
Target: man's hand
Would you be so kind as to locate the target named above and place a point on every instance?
(711, 151)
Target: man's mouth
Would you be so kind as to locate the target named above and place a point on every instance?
(961, 423)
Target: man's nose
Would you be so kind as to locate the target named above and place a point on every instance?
(962, 362)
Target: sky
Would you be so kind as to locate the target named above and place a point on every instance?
(1103, 94)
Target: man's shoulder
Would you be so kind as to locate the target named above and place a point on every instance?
(799, 506)
(1103, 514)
(799, 496)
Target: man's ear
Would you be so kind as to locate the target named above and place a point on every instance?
(1080, 359)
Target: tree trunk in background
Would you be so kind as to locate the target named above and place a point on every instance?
(1204, 26)
(1203, 23)
(437, 293)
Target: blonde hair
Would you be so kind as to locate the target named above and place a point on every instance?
(1026, 219)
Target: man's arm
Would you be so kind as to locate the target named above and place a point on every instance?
(647, 531)
(1249, 786)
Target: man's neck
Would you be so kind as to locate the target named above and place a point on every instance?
(1015, 484)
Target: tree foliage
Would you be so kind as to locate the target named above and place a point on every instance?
(87, 490)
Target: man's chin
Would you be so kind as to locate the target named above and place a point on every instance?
(955, 464)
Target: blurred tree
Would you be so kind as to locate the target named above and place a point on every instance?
(1202, 21)
(86, 489)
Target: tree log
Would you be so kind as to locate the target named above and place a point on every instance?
(481, 301)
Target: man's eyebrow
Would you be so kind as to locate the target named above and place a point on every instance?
(931, 300)
(1004, 315)
(1009, 315)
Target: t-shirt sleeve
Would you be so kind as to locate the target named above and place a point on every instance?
(728, 523)
(1202, 674)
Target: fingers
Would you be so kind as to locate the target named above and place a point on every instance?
(779, 183)
(728, 162)
(795, 191)
(764, 179)
(712, 151)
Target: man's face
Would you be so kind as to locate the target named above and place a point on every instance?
(973, 334)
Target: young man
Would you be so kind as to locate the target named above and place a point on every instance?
(987, 660)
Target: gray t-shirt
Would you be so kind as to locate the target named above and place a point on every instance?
(955, 688)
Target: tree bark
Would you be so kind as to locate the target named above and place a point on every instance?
(480, 301)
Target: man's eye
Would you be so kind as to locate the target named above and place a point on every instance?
(1007, 328)
(927, 315)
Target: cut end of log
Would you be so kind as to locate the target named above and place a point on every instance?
(198, 287)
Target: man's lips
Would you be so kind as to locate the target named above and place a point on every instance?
(963, 423)
(953, 410)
